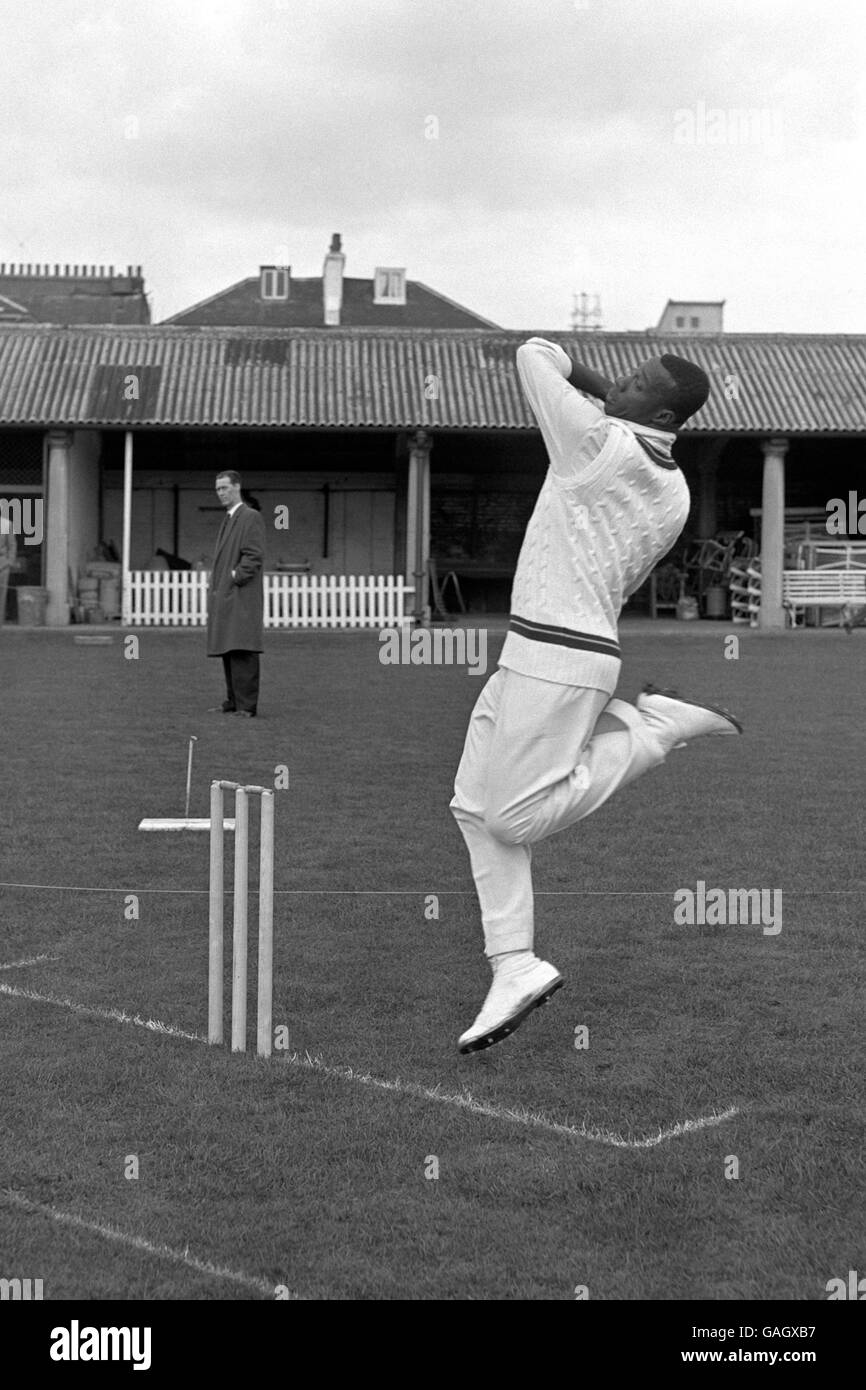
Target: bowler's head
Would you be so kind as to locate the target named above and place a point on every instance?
(663, 392)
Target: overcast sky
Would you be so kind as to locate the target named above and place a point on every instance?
(509, 153)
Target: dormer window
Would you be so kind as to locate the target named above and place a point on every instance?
(389, 286)
(275, 281)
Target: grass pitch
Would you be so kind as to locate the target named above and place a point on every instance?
(149, 1166)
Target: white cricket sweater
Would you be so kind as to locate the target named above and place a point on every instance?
(612, 504)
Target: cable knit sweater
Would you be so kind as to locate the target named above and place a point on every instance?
(612, 504)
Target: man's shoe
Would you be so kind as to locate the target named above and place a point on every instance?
(512, 997)
(220, 709)
(243, 713)
(675, 719)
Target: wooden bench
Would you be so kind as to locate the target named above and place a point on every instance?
(824, 588)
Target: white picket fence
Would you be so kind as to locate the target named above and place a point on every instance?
(178, 598)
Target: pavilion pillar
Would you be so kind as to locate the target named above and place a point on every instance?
(708, 454)
(57, 529)
(772, 615)
(418, 522)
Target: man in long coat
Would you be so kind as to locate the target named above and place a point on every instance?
(236, 598)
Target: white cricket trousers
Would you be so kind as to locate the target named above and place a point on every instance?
(538, 757)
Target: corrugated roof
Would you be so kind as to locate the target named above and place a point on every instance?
(399, 379)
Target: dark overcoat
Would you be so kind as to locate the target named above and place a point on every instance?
(235, 606)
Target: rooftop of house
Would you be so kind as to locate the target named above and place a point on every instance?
(67, 294)
(692, 315)
(275, 298)
(241, 306)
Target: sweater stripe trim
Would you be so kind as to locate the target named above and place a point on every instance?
(656, 452)
(563, 636)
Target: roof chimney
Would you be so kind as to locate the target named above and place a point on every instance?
(332, 282)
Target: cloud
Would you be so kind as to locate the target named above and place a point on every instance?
(195, 138)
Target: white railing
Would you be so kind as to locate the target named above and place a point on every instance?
(335, 600)
(167, 598)
(838, 555)
(178, 598)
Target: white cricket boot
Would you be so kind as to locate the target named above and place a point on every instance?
(515, 992)
(675, 720)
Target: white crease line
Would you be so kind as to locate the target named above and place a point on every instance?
(410, 1088)
(31, 960)
(517, 1115)
(94, 1011)
(146, 1247)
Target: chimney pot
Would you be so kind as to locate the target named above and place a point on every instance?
(332, 282)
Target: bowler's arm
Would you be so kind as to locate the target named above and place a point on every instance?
(574, 429)
(583, 378)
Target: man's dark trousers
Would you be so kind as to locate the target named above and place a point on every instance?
(242, 680)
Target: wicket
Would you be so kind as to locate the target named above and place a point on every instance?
(264, 1037)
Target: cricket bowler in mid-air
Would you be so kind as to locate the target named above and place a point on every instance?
(547, 744)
